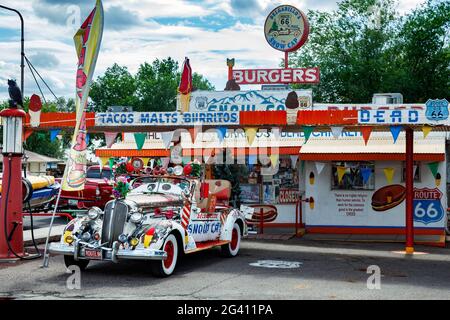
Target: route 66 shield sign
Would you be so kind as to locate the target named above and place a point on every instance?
(437, 110)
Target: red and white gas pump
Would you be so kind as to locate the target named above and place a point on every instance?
(11, 224)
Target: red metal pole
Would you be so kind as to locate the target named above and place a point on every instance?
(261, 220)
(296, 215)
(409, 181)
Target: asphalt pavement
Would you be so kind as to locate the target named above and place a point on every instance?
(322, 270)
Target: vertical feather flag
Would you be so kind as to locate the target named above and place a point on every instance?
(185, 87)
(87, 43)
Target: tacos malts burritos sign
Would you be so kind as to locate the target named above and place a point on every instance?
(255, 100)
(286, 28)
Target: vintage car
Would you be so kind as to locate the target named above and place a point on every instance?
(162, 218)
(97, 190)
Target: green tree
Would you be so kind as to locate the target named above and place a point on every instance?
(117, 87)
(365, 47)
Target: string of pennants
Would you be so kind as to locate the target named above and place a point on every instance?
(367, 172)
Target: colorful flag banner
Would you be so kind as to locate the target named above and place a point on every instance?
(395, 131)
(319, 167)
(250, 133)
(185, 87)
(366, 132)
(110, 138)
(366, 173)
(341, 172)
(307, 130)
(87, 43)
(139, 138)
(426, 131)
(337, 131)
(34, 110)
(53, 134)
(221, 132)
(294, 159)
(434, 167)
(389, 174)
(274, 160)
(167, 138)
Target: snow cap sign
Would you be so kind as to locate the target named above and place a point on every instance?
(286, 28)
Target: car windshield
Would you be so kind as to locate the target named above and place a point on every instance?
(164, 185)
(97, 174)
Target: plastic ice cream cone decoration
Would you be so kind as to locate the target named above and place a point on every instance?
(311, 178)
(438, 179)
(311, 203)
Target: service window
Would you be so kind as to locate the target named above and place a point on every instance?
(352, 175)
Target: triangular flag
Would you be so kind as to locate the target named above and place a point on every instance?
(319, 167)
(111, 163)
(366, 173)
(251, 134)
(414, 169)
(274, 160)
(104, 161)
(252, 159)
(139, 138)
(341, 171)
(389, 173)
(336, 131)
(110, 137)
(307, 130)
(145, 161)
(53, 134)
(395, 131)
(221, 132)
(276, 133)
(366, 131)
(426, 130)
(167, 138)
(433, 166)
(165, 162)
(193, 132)
(294, 159)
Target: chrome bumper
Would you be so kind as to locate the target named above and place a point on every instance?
(108, 254)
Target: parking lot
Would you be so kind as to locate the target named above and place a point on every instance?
(324, 270)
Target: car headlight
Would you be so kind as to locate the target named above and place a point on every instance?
(94, 213)
(137, 217)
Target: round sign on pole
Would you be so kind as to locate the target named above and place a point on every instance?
(286, 28)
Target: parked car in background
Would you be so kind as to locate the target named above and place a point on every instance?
(97, 191)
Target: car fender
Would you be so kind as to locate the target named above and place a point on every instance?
(172, 227)
(233, 216)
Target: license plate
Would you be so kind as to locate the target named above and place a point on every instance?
(73, 202)
(93, 254)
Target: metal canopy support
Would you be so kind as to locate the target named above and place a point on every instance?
(409, 182)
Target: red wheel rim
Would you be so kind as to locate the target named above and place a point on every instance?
(234, 240)
(168, 248)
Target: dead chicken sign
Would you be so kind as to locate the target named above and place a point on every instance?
(286, 28)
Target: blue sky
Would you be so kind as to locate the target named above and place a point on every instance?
(136, 31)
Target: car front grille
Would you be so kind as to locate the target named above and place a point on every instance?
(113, 221)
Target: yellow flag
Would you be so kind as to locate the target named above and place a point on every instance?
(389, 173)
(87, 44)
(105, 161)
(251, 134)
(274, 159)
(341, 171)
(426, 130)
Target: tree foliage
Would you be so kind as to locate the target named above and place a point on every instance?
(365, 47)
(153, 88)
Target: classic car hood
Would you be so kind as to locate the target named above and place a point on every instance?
(155, 200)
